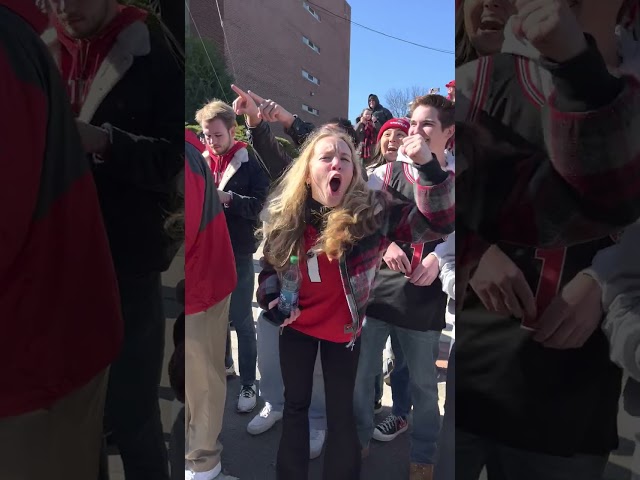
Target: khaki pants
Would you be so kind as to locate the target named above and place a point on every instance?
(205, 385)
(60, 442)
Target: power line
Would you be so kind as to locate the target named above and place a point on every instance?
(224, 34)
(379, 32)
(206, 51)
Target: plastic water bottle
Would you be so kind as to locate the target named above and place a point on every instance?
(290, 287)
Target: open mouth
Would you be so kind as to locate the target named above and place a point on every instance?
(391, 149)
(334, 184)
(491, 24)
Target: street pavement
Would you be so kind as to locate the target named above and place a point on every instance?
(253, 457)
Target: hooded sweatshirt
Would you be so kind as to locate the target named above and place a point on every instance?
(80, 59)
(380, 114)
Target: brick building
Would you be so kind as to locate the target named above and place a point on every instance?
(288, 50)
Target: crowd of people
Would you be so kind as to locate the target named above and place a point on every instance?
(377, 263)
(106, 191)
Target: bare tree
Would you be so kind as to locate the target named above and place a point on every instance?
(397, 100)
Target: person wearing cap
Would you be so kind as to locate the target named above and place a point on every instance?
(388, 142)
(408, 302)
(451, 91)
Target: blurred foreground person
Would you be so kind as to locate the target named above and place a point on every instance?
(61, 324)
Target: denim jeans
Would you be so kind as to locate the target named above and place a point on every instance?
(400, 387)
(241, 316)
(417, 348)
(271, 385)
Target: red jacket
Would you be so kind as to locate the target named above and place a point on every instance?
(210, 272)
(61, 323)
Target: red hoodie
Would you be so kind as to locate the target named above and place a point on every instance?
(210, 272)
(80, 59)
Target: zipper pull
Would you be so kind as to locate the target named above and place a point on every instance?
(281, 330)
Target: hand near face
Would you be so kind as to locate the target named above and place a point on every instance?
(551, 27)
(415, 147)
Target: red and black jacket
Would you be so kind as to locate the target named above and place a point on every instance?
(210, 272)
(61, 320)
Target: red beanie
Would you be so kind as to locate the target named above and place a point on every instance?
(399, 123)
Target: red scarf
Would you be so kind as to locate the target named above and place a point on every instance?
(219, 163)
(80, 59)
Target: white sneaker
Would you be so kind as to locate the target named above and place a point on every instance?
(231, 371)
(266, 419)
(316, 441)
(210, 475)
(248, 399)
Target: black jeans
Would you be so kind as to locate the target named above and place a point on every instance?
(339, 366)
(132, 410)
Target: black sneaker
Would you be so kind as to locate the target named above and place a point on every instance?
(377, 407)
(390, 428)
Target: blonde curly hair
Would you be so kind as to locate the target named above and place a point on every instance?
(357, 216)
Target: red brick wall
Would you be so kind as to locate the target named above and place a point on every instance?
(268, 55)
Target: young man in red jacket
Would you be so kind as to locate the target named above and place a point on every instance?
(210, 277)
(61, 324)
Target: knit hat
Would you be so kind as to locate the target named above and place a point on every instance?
(399, 123)
(452, 83)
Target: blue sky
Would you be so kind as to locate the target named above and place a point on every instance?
(380, 63)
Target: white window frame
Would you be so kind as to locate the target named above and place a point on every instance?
(311, 110)
(310, 77)
(309, 43)
(313, 13)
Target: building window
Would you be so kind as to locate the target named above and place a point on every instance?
(311, 110)
(311, 10)
(310, 44)
(310, 77)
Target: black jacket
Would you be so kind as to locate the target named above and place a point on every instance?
(138, 179)
(249, 186)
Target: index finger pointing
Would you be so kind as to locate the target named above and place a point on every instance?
(256, 98)
(240, 92)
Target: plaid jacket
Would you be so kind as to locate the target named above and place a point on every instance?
(430, 218)
(578, 174)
